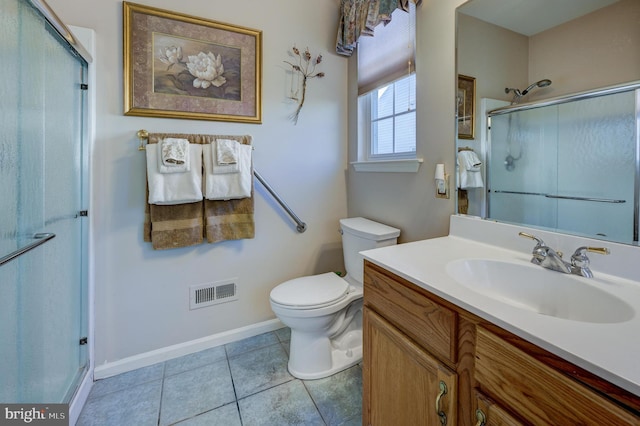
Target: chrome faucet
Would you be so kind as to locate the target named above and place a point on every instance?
(547, 257)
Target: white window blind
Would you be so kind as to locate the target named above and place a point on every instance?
(390, 53)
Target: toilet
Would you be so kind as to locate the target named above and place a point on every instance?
(324, 312)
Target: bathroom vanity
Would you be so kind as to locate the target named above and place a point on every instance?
(439, 352)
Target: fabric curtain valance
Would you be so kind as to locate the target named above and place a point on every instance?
(360, 17)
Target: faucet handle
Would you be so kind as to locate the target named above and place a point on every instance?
(580, 261)
(532, 237)
(599, 250)
(580, 256)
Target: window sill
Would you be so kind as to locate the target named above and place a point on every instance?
(398, 166)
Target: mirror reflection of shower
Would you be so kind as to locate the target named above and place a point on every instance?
(510, 159)
(513, 136)
(518, 94)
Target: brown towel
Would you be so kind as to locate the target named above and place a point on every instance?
(183, 225)
(229, 220)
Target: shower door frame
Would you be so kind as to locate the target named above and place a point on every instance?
(81, 384)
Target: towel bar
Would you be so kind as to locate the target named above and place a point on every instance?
(300, 225)
(40, 238)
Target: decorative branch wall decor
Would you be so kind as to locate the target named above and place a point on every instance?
(302, 69)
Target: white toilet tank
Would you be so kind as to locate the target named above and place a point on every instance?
(360, 234)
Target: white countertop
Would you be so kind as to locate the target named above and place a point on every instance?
(608, 350)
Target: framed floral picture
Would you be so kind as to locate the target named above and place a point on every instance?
(466, 100)
(181, 66)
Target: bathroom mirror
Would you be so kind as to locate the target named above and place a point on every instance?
(531, 51)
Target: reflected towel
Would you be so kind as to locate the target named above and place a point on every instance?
(469, 160)
(174, 188)
(469, 171)
(228, 186)
(174, 151)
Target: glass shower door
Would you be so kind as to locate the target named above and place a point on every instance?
(569, 166)
(42, 173)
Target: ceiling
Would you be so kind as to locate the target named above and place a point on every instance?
(530, 17)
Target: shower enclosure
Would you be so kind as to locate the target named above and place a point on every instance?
(570, 164)
(43, 191)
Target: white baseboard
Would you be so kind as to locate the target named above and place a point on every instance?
(186, 348)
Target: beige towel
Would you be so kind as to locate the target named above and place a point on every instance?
(226, 152)
(174, 151)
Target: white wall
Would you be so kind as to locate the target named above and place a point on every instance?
(407, 200)
(596, 50)
(141, 295)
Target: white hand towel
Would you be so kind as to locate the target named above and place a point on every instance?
(226, 151)
(226, 186)
(174, 188)
(220, 168)
(469, 175)
(174, 151)
(469, 160)
(174, 168)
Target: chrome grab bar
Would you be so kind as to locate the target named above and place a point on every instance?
(597, 200)
(40, 238)
(301, 226)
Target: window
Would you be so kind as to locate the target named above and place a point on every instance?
(393, 120)
(387, 96)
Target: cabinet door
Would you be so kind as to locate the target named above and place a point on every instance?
(403, 384)
(488, 413)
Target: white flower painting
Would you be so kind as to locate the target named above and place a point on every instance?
(191, 67)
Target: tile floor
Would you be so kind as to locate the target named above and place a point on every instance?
(241, 383)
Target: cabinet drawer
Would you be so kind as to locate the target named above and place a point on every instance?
(488, 413)
(430, 324)
(539, 394)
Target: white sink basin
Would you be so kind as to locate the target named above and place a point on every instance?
(540, 290)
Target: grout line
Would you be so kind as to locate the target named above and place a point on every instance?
(314, 402)
(233, 384)
(164, 370)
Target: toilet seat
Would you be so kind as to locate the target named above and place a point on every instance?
(312, 292)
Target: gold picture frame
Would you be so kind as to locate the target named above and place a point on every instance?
(181, 66)
(466, 104)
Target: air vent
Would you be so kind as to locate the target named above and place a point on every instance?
(212, 294)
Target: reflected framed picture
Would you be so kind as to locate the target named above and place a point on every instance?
(181, 66)
(466, 101)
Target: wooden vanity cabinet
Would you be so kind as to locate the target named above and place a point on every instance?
(416, 343)
(406, 382)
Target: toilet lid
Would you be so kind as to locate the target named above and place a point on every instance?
(313, 291)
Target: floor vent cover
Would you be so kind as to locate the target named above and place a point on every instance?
(211, 294)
